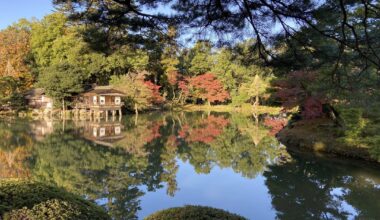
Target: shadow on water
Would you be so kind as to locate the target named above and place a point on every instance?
(118, 164)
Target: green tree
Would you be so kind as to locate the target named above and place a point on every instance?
(254, 89)
(170, 61)
(61, 82)
(141, 94)
(10, 93)
(44, 34)
(225, 69)
(201, 61)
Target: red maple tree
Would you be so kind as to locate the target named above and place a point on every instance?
(155, 97)
(208, 88)
(295, 90)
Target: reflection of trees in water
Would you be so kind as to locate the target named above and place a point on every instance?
(15, 146)
(313, 189)
(146, 156)
(91, 170)
(138, 134)
(242, 145)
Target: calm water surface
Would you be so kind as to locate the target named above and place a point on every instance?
(135, 167)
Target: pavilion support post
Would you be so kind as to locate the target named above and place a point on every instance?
(106, 115)
(113, 115)
(120, 115)
(96, 114)
(92, 115)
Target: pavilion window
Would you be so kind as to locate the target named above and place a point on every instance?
(117, 100)
(102, 132)
(117, 130)
(102, 100)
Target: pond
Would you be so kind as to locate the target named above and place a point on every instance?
(137, 166)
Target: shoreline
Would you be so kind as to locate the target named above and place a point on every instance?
(246, 110)
(315, 136)
(319, 137)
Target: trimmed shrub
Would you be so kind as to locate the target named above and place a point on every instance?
(20, 199)
(194, 213)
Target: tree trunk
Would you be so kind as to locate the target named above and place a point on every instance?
(136, 119)
(136, 109)
(180, 98)
(255, 116)
(256, 103)
(173, 93)
(136, 114)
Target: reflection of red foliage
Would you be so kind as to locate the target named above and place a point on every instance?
(184, 131)
(154, 132)
(209, 88)
(205, 130)
(156, 97)
(293, 92)
(276, 124)
(172, 141)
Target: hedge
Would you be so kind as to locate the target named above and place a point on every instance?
(190, 212)
(20, 199)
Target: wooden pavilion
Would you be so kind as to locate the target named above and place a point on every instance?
(101, 101)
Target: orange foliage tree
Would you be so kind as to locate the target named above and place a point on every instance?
(14, 49)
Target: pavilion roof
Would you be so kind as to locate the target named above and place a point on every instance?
(104, 90)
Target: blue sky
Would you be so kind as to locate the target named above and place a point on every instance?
(12, 10)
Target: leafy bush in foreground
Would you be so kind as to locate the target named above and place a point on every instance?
(21, 199)
(194, 213)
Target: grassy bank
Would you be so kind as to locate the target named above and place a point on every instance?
(245, 109)
(358, 136)
(320, 136)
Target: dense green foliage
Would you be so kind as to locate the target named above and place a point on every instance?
(193, 213)
(31, 200)
(64, 60)
(361, 130)
(61, 82)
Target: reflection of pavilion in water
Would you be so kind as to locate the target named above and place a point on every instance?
(101, 132)
(41, 128)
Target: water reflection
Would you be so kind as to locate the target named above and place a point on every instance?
(100, 132)
(311, 188)
(117, 164)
